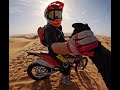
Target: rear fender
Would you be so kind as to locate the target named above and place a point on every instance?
(43, 62)
(50, 60)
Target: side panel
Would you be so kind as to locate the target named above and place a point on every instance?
(50, 60)
(43, 62)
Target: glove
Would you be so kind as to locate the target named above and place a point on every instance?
(83, 43)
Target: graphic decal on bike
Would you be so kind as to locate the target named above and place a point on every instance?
(61, 58)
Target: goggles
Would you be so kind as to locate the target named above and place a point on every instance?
(53, 15)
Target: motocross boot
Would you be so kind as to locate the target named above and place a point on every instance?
(65, 79)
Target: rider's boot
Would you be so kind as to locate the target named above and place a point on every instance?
(65, 79)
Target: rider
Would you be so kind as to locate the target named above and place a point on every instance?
(84, 43)
(53, 33)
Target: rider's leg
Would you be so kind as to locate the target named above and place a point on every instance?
(65, 79)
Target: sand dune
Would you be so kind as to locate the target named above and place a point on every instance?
(89, 79)
(16, 43)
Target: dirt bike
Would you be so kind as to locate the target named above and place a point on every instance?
(45, 64)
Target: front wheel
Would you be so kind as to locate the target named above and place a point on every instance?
(81, 64)
(38, 72)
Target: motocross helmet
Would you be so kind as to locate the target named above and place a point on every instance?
(53, 13)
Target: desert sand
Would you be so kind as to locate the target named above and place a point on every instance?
(87, 79)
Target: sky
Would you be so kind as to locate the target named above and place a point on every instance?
(25, 16)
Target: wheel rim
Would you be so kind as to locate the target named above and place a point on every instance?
(39, 71)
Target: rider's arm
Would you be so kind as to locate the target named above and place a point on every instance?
(60, 47)
(82, 43)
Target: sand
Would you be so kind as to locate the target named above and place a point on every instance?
(87, 79)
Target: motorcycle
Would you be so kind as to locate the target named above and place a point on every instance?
(45, 64)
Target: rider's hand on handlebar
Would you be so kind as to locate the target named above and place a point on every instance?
(83, 43)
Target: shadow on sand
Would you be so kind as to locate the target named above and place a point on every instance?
(73, 86)
(46, 85)
(42, 85)
(87, 81)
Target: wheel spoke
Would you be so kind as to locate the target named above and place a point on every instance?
(39, 71)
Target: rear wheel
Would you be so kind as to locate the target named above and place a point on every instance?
(81, 64)
(38, 72)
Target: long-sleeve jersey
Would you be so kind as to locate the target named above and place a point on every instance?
(52, 35)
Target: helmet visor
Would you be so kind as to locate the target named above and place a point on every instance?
(56, 14)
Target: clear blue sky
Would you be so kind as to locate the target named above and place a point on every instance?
(25, 16)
